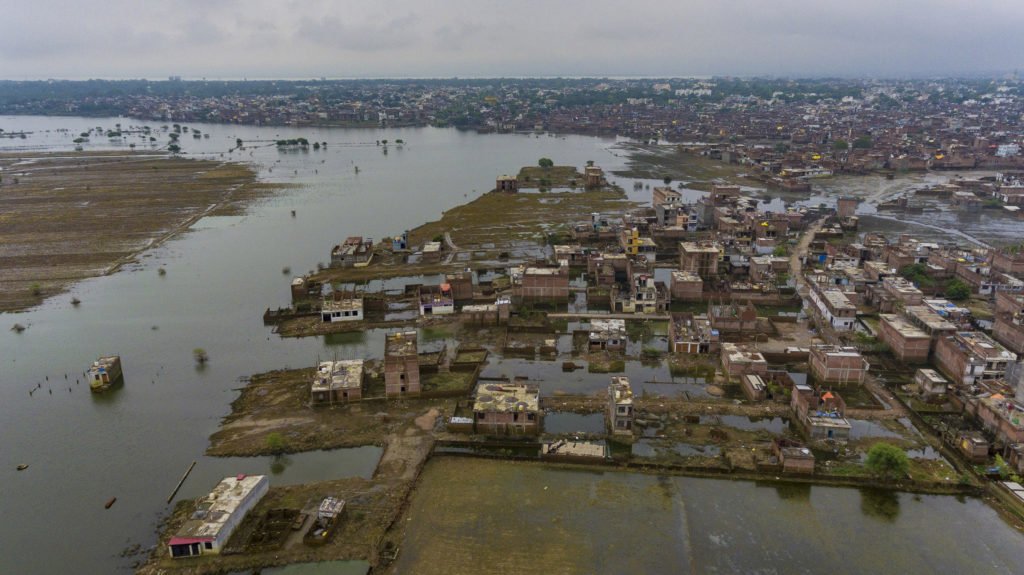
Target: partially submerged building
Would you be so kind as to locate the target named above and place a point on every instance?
(619, 414)
(337, 382)
(507, 184)
(822, 414)
(346, 308)
(690, 334)
(217, 515)
(739, 359)
(104, 372)
(793, 456)
(353, 251)
(435, 300)
(507, 409)
(607, 334)
(401, 364)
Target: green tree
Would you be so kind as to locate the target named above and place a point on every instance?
(780, 250)
(957, 290)
(200, 355)
(887, 460)
(667, 179)
(863, 143)
(545, 162)
(174, 148)
(916, 273)
(275, 442)
(840, 145)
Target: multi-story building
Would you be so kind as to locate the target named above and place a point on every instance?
(968, 356)
(833, 306)
(337, 382)
(507, 409)
(619, 413)
(835, 364)
(908, 343)
(700, 258)
(401, 364)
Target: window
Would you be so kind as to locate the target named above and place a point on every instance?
(480, 415)
(209, 545)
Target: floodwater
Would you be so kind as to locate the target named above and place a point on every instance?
(529, 518)
(135, 442)
(322, 568)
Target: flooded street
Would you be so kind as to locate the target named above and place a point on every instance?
(135, 443)
(530, 518)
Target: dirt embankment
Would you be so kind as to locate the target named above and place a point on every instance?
(67, 217)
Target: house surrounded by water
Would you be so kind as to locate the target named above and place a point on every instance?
(217, 515)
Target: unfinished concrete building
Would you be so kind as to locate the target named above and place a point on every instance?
(969, 356)
(700, 258)
(690, 334)
(401, 364)
(738, 359)
(619, 413)
(507, 409)
(337, 382)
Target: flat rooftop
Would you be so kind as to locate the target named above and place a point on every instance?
(902, 326)
(694, 247)
(343, 374)
(929, 318)
(507, 397)
(575, 448)
(621, 390)
(400, 343)
(214, 510)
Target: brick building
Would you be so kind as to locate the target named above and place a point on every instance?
(909, 344)
(401, 364)
(835, 364)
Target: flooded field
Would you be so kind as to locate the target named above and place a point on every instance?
(530, 518)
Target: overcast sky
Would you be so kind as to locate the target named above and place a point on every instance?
(404, 38)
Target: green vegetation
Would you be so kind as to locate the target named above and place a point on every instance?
(863, 143)
(545, 162)
(840, 145)
(275, 442)
(667, 179)
(199, 354)
(887, 460)
(957, 290)
(917, 273)
(300, 142)
(780, 251)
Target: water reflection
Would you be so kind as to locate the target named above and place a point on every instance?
(881, 504)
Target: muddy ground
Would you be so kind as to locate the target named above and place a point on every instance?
(66, 217)
(279, 402)
(484, 231)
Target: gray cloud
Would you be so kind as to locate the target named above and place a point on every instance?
(267, 38)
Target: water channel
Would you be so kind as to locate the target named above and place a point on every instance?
(135, 443)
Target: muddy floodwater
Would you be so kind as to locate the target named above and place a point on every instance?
(528, 518)
(135, 442)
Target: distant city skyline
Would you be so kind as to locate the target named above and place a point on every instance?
(235, 39)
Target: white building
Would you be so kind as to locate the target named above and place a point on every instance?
(217, 515)
(349, 309)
